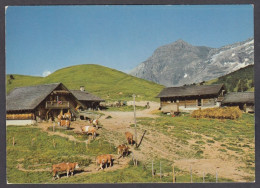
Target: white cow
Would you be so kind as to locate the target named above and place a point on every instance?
(89, 130)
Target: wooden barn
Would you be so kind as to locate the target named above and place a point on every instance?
(245, 100)
(192, 97)
(27, 105)
(88, 100)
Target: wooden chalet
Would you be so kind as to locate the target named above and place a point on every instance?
(36, 103)
(88, 100)
(245, 100)
(192, 97)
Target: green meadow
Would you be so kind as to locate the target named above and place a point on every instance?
(107, 83)
(34, 149)
(237, 136)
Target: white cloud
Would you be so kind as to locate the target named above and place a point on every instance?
(46, 73)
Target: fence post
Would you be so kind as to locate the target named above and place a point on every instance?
(190, 174)
(203, 177)
(13, 141)
(54, 144)
(152, 169)
(173, 174)
(160, 171)
(33, 141)
(216, 177)
(53, 128)
(135, 122)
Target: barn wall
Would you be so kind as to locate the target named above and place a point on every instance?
(20, 122)
(208, 102)
(189, 103)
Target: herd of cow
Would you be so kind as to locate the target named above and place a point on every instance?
(104, 160)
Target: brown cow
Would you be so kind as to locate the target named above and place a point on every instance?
(94, 122)
(104, 160)
(101, 160)
(129, 137)
(67, 115)
(64, 167)
(64, 123)
(109, 159)
(89, 130)
(122, 150)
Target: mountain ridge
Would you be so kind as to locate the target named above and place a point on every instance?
(180, 63)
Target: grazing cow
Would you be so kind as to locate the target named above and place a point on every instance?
(89, 130)
(129, 137)
(122, 150)
(64, 123)
(104, 159)
(109, 159)
(67, 115)
(101, 160)
(94, 122)
(64, 167)
(60, 116)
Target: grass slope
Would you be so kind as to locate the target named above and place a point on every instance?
(107, 83)
(232, 135)
(34, 150)
(233, 81)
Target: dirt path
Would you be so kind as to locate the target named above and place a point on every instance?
(91, 169)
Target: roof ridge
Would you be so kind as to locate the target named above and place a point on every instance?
(38, 85)
(193, 86)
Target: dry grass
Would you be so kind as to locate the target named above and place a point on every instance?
(218, 113)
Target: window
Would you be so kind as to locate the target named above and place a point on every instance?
(199, 102)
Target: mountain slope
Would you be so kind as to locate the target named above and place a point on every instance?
(240, 80)
(180, 63)
(107, 83)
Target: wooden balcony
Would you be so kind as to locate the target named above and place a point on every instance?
(57, 105)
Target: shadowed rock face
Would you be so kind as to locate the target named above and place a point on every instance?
(180, 63)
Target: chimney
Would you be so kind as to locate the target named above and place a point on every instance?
(82, 88)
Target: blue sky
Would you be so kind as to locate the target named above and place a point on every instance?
(41, 39)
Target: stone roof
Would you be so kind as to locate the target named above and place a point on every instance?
(85, 96)
(191, 90)
(28, 98)
(239, 97)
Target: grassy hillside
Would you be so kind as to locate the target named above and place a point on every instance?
(107, 83)
(34, 150)
(20, 80)
(240, 80)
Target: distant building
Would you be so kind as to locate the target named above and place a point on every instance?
(192, 97)
(88, 100)
(245, 100)
(27, 105)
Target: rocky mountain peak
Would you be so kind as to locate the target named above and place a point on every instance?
(180, 63)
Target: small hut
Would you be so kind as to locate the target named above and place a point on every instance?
(27, 105)
(88, 100)
(192, 97)
(244, 100)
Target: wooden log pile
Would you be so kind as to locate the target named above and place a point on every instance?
(218, 113)
(19, 116)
